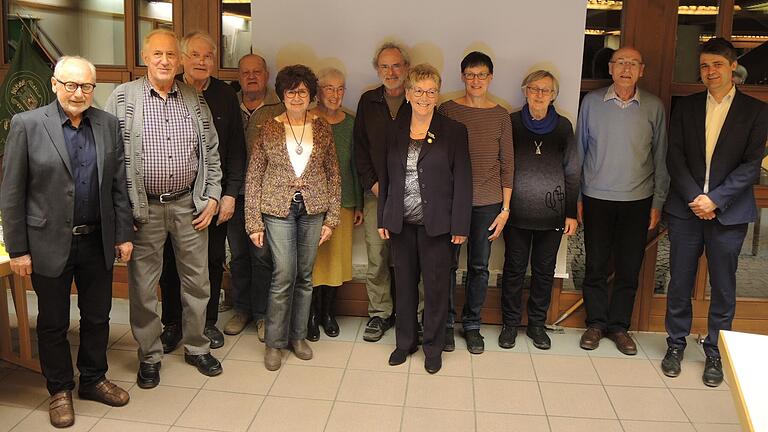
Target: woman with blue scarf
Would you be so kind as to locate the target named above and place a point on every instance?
(543, 206)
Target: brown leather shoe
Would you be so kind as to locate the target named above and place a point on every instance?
(105, 392)
(301, 349)
(273, 359)
(61, 410)
(591, 338)
(624, 343)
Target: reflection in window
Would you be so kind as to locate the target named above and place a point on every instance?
(94, 29)
(750, 34)
(602, 36)
(696, 23)
(235, 31)
(152, 15)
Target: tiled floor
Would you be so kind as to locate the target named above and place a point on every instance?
(348, 386)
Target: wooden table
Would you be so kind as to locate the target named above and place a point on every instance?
(744, 357)
(18, 287)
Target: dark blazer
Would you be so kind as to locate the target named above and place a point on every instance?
(445, 176)
(735, 165)
(37, 195)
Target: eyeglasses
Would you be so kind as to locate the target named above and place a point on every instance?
(393, 67)
(329, 89)
(632, 64)
(302, 93)
(196, 56)
(482, 76)
(431, 93)
(538, 90)
(72, 86)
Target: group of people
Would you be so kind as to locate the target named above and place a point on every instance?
(181, 163)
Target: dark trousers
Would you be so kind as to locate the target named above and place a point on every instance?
(722, 243)
(170, 284)
(541, 246)
(619, 228)
(416, 254)
(478, 254)
(94, 288)
(251, 267)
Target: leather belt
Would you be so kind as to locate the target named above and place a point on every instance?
(170, 196)
(79, 230)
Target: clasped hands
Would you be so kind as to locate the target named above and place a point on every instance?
(703, 207)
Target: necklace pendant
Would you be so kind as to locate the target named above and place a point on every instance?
(538, 147)
(299, 149)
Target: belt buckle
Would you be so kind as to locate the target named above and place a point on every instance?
(76, 229)
(165, 196)
(294, 197)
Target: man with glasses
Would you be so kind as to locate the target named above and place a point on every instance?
(66, 216)
(377, 111)
(621, 134)
(251, 267)
(174, 184)
(198, 54)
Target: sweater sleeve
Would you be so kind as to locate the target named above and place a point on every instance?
(572, 160)
(659, 148)
(257, 164)
(334, 179)
(507, 153)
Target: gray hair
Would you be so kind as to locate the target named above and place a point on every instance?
(541, 74)
(330, 72)
(68, 59)
(391, 45)
(155, 32)
(197, 34)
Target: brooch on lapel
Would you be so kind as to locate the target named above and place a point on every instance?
(430, 137)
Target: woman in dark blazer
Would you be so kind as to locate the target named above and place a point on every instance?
(425, 204)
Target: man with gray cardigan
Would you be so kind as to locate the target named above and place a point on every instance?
(622, 137)
(174, 184)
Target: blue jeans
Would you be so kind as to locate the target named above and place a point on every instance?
(293, 241)
(478, 254)
(251, 267)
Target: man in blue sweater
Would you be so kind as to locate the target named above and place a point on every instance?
(621, 134)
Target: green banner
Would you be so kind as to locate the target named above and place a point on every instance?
(27, 85)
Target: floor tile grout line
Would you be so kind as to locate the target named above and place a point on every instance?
(269, 390)
(338, 389)
(602, 384)
(538, 384)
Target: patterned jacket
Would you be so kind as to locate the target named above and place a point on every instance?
(270, 181)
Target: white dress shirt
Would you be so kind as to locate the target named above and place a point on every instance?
(716, 113)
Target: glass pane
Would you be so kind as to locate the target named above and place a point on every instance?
(94, 29)
(101, 93)
(152, 15)
(602, 35)
(235, 31)
(750, 34)
(696, 23)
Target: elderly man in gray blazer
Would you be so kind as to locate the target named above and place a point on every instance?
(174, 184)
(66, 216)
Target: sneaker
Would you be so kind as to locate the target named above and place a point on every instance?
(538, 335)
(450, 342)
(508, 336)
(260, 327)
(237, 323)
(713, 371)
(375, 329)
(475, 343)
(671, 363)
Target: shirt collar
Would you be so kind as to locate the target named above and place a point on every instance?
(205, 86)
(151, 89)
(64, 120)
(727, 98)
(611, 94)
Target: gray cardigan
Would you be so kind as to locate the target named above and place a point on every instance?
(126, 103)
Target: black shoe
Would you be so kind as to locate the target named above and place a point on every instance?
(313, 324)
(149, 375)
(508, 336)
(206, 363)
(375, 329)
(170, 337)
(538, 335)
(214, 335)
(433, 364)
(420, 333)
(327, 312)
(399, 356)
(475, 343)
(450, 342)
(713, 371)
(671, 363)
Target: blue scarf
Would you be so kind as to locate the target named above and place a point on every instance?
(543, 126)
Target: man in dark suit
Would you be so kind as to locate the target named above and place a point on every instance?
(716, 142)
(66, 215)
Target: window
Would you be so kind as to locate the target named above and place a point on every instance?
(749, 36)
(235, 31)
(602, 36)
(151, 15)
